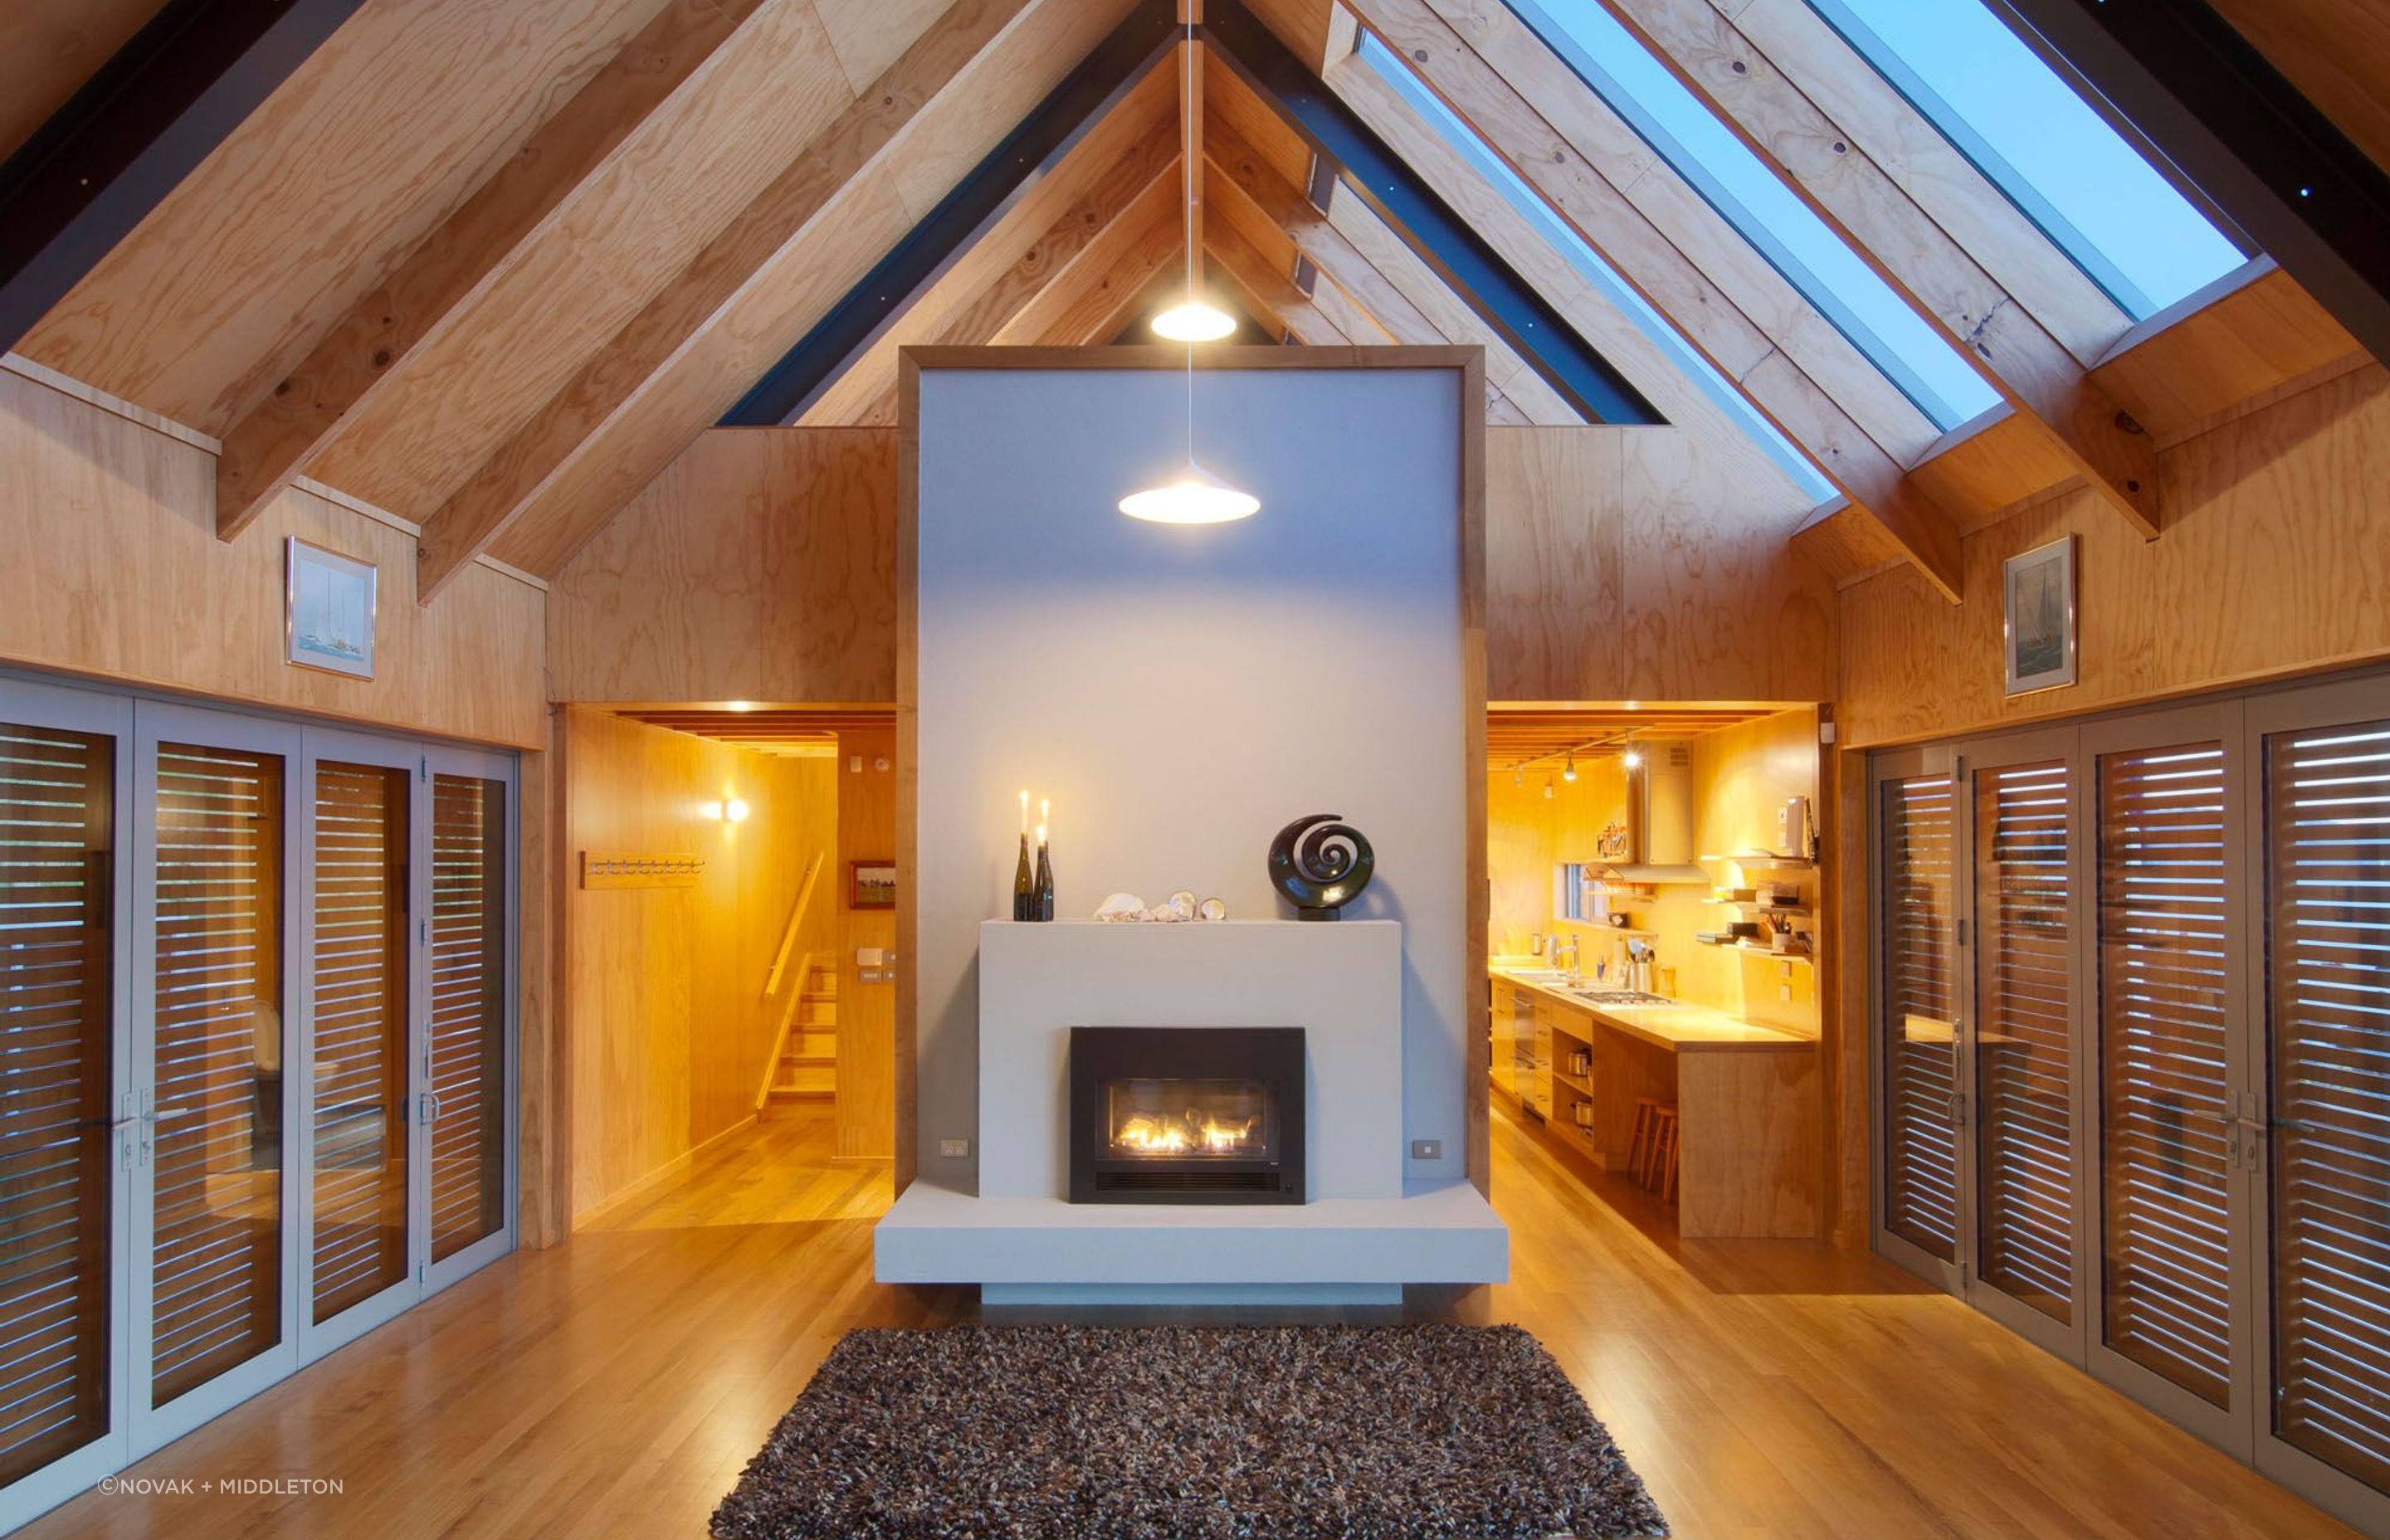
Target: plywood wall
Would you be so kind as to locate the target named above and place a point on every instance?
(865, 1110)
(2275, 559)
(1644, 564)
(664, 1012)
(113, 568)
(1621, 563)
(761, 565)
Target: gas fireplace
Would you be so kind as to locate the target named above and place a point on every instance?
(1185, 1115)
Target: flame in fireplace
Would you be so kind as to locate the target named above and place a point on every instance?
(1151, 1133)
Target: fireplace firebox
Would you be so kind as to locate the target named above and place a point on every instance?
(1185, 1115)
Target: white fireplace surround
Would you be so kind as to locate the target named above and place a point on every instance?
(1341, 982)
(1362, 1235)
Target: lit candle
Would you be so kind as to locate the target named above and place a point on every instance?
(1044, 817)
(1024, 811)
(1041, 836)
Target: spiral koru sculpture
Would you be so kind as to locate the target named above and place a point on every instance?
(1320, 864)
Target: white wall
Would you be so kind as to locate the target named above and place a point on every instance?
(1181, 693)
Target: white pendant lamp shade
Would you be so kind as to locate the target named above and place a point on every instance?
(1193, 322)
(1193, 496)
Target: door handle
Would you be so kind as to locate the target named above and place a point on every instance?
(427, 1108)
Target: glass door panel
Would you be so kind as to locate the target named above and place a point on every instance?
(466, 1060)
(216, 1226)
(2025, 1175)
(2167, 1189)
(1919, 1015)
(2327, 1112)
(58, 1205)
(360, 961)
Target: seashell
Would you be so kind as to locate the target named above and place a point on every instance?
(1182, 904)
(1213, 908)
(1162, 914)
(1121, 909)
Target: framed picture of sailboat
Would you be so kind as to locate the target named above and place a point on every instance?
(330, 610)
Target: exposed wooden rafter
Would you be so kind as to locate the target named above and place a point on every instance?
(795, 249)
(1833, 167)
(161, 105)
(660, 80)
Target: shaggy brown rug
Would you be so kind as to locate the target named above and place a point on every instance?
(1411, 1432)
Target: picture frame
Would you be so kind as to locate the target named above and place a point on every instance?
(329, 610)
(2037, 618)
(872, 884)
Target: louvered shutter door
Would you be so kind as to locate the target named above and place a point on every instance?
(359, 979)
(216, 1279)
(2328, 860)
(467, 1012)
(1920, 1156)
(2025, 1147)
(55, 985)
(2162, 1025)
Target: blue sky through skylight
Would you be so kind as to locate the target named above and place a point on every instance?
(1556, 232)
(1754, 200)
(2055, 157)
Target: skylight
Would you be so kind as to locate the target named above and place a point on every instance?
(1754, 200)
(1557, 234)
(2059, 161)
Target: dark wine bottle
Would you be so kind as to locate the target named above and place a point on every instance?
(1024, 892)
(1044, 909)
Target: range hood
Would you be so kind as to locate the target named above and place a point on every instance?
(1660, 820)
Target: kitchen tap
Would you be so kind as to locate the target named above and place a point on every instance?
(1567, 949)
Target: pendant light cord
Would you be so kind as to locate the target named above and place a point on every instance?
(1187, 208)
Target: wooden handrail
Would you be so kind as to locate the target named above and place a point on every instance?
(780, 1038)
(788, 936)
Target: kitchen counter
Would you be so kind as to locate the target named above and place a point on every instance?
(1678, 1026)
(1747, 1097)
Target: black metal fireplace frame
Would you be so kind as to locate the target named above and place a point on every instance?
(1272, 1055)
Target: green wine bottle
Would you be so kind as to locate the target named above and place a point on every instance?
(1044, 906)
(1025, 896)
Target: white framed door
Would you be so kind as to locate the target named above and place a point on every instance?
(2315, 1130)
(360, 1148)
(468, 1054)
(2022, 908)
(67, 1134)
(1916, 848)
(2172, 1201)
(213, 1247)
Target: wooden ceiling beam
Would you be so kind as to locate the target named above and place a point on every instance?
(1379, 246)
(1238, 170)
(1121, 255)
(1112, 162)
(1842, 453)
(694, 349)
(1273, 289)
(159, 106)
(636, 103)
(1832, 169)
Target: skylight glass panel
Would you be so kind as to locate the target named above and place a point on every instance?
(2069, 170)
(1481, 159)
(1754, 200)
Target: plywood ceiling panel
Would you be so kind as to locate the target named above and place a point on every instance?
(309, 203)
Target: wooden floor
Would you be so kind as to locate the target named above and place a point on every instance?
(616, 1385)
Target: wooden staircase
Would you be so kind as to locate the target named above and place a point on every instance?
(807, 1072)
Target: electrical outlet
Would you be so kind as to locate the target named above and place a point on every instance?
(959, 1149)
(1784, 984)
(1427, 1150)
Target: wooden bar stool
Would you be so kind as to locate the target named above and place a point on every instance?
(1660, 1155)
(1646, 1112)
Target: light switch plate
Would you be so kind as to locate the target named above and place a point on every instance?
(954, 1147)
(1427, 1150)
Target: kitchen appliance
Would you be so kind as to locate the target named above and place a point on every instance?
(1659, 819)
(1792, 827)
